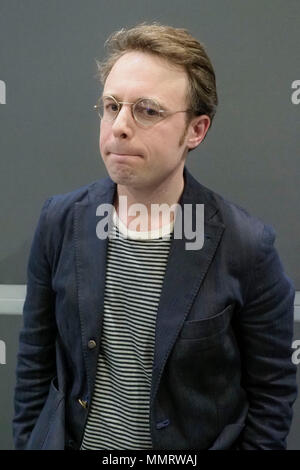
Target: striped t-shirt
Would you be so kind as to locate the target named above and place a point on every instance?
(119, 413)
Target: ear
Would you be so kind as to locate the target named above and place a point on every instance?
(197, 130)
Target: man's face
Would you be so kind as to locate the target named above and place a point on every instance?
(138, 157)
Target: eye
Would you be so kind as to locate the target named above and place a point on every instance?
(147, 109)
(151, 111)
(111, 106)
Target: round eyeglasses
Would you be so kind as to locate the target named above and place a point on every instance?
(145, 111)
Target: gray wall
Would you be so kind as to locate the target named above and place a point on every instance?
(49, 131)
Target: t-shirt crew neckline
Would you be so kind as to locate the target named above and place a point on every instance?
(161, 232)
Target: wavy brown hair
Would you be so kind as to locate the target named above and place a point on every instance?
(175, 45)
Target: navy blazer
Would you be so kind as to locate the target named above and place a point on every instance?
(222, 373)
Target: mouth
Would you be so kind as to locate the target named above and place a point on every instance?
(124, 155)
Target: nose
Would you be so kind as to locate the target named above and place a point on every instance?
(123, 124)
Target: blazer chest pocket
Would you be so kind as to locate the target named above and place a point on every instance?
(210, 328)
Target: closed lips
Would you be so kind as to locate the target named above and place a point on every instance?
(126, 154)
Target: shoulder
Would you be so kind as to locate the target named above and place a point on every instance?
(242, 229)
(240, 222)
(82, 194)
(58, 206)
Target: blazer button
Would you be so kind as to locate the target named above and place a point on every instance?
(92, 344)
(83, 403)
(71, 444)
(162, 424)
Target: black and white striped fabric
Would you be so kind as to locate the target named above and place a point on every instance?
(119, 413)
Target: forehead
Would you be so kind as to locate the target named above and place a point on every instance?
(139, 74)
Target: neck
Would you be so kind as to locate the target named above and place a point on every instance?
(139, 209)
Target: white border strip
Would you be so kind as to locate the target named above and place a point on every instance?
(12, 300)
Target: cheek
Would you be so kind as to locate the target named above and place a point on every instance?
(103, 137)
(169, 141)
(171, 134)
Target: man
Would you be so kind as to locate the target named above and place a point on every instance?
(133, 341)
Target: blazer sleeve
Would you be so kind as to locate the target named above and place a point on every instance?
(265, 333)
(36, 364)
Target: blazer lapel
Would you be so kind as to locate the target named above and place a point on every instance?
(184, 275)
(90, 258)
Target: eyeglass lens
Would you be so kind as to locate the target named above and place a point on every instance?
(145, 111)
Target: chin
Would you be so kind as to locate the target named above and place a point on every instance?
(124, 176)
